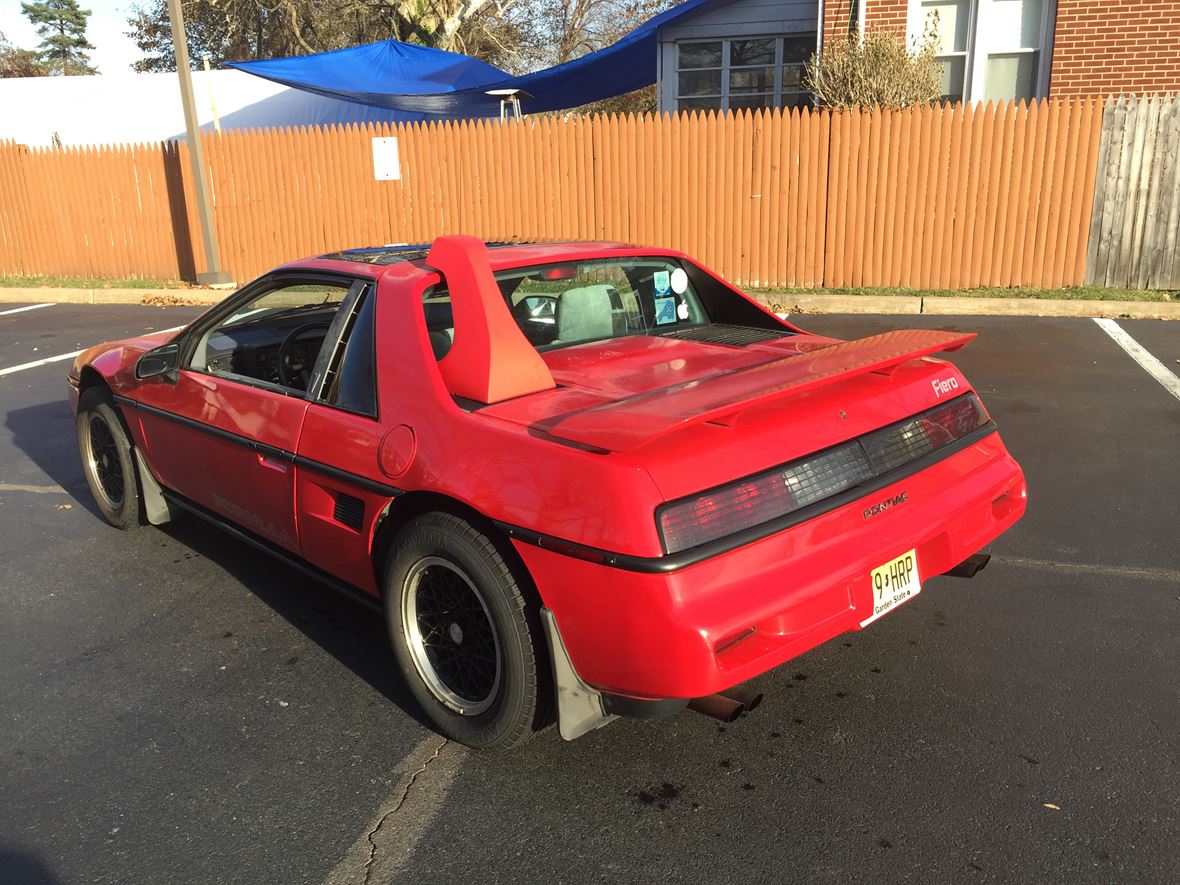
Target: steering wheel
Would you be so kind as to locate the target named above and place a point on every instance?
(291, 372)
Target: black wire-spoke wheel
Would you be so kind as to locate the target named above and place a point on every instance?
(450, 636)
(104, 460)
(108, 461)
(465, 626)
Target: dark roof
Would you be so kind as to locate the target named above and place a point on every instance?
(380, 254)
(387, 255)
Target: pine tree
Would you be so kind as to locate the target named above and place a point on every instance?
(61, 24)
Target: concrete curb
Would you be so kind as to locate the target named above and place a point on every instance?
(880, 304)
(959, 306)
(158, 297)
(790, 303)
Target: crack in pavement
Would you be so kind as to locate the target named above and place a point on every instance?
(372, 835)
(384, 845)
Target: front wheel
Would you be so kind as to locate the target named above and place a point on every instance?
(465, 634)
(107, 459)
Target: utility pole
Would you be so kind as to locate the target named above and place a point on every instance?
(214, 275)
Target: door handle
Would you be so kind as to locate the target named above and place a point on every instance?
(272, 458)
(272, 464)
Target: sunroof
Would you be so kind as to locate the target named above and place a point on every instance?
(381, 254)
(386, 255)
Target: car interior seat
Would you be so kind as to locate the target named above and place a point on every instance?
(584, 314)
(441, 341)
(440, 324)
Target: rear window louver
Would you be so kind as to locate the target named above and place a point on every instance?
(734, 336)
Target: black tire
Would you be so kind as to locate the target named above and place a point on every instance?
(451, 603)
(107, 459)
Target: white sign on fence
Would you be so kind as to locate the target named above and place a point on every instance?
(386, 165)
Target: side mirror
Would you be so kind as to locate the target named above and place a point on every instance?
(164, 360)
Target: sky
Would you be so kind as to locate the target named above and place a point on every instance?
(114, 52)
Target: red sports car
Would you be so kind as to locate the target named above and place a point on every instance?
(581, 479)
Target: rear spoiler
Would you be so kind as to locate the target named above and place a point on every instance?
(490, 360)
(626, 424)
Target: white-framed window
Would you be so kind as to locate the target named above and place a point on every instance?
(990, 50)
(742, 72)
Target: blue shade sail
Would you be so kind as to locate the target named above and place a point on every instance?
(405, 77)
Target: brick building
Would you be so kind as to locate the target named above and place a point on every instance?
(731, 54)
(1035, 48)
(1108, 47)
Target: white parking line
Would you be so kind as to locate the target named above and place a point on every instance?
(4, 313)
(57, 359)
(1134, 349)
(35, 363)
(36, 490)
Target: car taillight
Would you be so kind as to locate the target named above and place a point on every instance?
(758, 499)
(898, 444)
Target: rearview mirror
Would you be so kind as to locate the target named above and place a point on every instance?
(162, 361)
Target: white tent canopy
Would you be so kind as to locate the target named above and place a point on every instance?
(123, 108)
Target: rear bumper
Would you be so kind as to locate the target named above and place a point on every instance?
(732, 617)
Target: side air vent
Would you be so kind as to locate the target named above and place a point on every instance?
(734, 336)
(349, 511)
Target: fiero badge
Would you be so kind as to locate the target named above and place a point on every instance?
(886, 504)
(944, 386)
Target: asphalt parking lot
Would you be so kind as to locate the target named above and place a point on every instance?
(175, 708)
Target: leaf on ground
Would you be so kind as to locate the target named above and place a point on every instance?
(1052, 807)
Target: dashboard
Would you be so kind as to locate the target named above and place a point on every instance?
(251, 349)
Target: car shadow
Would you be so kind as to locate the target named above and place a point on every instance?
(45, 434)
(21, 866)
(353, 634)
(348, 631)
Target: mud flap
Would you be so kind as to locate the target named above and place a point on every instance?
(579, 707)
(155, 505)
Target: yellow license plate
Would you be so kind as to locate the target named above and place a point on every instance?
(893, 583)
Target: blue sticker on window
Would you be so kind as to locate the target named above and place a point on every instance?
(662, 281)
(665, 311)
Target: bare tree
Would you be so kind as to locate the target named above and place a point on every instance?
(17, 62)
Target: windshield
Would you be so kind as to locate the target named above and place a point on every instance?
(557, 305)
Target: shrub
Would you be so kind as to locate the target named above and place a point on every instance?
(878, 70)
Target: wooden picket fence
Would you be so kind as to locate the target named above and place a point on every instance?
(942, 196)
(112, 212)
(1135, 229)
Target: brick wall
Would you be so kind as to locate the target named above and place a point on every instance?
(887, 15)
(1115, 47)
(836, 13)
(880, 15)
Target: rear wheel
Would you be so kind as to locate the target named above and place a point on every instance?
(465, 634)
(107, 460)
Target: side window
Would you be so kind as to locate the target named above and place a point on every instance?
(274, 339)
(350, 382)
